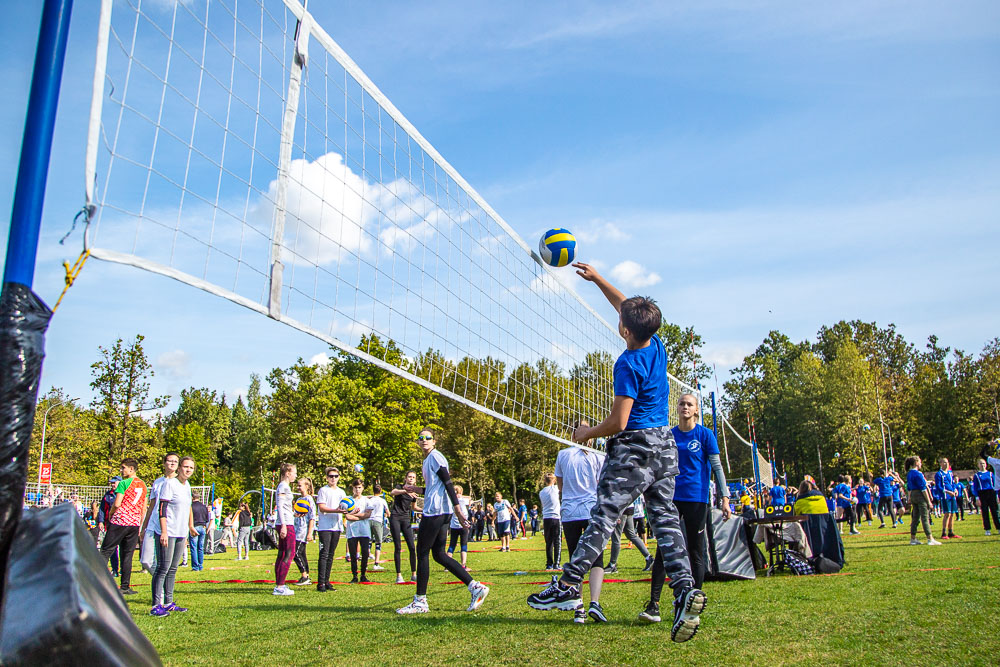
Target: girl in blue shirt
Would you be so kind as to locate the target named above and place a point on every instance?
(920, 501)
(982, 482)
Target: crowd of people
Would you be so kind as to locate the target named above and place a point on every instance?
(650, 476)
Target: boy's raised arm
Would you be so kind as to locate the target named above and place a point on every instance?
(587, 272)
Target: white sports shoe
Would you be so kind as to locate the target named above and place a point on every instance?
(282, 590)
(915, 542)
(418, 606)
(478, 592)
(987, 533)
(933, 543)
(399, 578)
(378, 568)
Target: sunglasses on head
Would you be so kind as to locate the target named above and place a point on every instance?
(424, 437)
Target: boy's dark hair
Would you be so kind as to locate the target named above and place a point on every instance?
(911, 462)
(840, 479)
(377, 489)
(429, 430)
(641, 316)
(169, 454)
(131, 463)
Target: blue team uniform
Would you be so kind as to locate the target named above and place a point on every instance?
(777, 496)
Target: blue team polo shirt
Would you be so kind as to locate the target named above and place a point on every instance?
(694, 471)
(844, 490)
(777, 495)
(884, 486)
(982, 480)
(896, 488)
(642, 376)
(864, 494)
(915, 480)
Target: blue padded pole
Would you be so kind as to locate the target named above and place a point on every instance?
(36, 146)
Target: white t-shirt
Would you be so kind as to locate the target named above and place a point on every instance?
(302, 521)
(995, 462)
(360, 528)
(579, 469)
(285, 515)
(379, 508)
(640, 507)
(463, 502)
(550, 501)
(178, 498)
(331, 497)
(154, 495)
(436, 500)
(503, 510)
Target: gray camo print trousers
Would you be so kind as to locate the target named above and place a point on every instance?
(643, 461)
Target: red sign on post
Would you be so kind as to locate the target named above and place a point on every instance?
(46, 476)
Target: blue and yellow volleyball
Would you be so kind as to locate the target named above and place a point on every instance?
(347, 504)
(301, 505)
(557, 247)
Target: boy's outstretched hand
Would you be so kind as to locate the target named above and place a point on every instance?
(586, 271)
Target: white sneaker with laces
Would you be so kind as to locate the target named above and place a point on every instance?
(283, 590)
(933, 543)
(987, 533)
(418, 606)
(399, 579)
(478, 592)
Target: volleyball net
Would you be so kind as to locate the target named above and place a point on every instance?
(750, 461)
(235, 147)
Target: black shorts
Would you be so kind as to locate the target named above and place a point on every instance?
(573, 530)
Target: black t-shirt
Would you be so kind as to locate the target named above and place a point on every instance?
(200, 513)
(401, 504)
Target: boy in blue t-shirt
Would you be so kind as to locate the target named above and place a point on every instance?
(883, 488)
(641, 459)
(777, 495)
(920, 500)
(842, 495)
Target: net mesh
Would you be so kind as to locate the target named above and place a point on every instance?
(47, 495)
(237, 148)
(763, 467)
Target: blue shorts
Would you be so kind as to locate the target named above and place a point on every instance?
(503, 527)
(949, 505)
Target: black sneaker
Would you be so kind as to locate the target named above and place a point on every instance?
(611, 568)
(127, 591)
(556, 596)
(650, 561)
(687, 607)
(364, 579)
(651, 614)
(354, 580)
(596, 612)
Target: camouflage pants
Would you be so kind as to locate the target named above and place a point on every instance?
(645, 462)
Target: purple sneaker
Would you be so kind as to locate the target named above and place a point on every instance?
(173, 607)
(159, 610)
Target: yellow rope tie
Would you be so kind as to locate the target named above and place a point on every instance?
(72, 272)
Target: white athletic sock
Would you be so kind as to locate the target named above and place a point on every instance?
(420, 598)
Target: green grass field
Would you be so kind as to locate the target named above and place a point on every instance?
(893, 605)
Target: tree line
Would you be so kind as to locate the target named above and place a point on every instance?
(810, 401)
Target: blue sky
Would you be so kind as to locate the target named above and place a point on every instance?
(752, 165)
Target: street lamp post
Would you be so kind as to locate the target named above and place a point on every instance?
(45, 423)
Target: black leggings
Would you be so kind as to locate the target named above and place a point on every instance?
(553, 542)
(328, 540)
(401, 526)
(456, 534)
(890, 510)
(300, 557)
(988, 503)
(694, 520)
(573, 530)
(352, 548)
(431, 537)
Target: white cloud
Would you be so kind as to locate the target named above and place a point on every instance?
(635, 275)
(175, 364)
(725, 354)
(600, 231)
(320, 359)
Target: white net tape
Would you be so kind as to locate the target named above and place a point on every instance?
(235, 147)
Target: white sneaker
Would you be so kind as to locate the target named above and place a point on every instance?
(915, 542)
(282, 590)
(855, 532)
(378, 568)
(418, 606)
(933, 543)
(478, 592)
(399, 579)
(987, 533)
